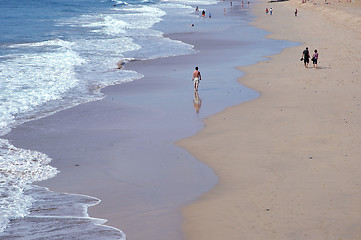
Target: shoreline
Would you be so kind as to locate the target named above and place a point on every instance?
(106, 149)
(287, 161)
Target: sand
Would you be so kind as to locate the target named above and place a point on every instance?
(289, 161)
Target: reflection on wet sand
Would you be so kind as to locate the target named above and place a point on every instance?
(197, 102)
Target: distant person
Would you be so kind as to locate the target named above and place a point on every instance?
(197, 102)
(270, 11)
(231, 4)
(296, 11)
(203, 13)
(209, 15)
(314, 59)
(197, 10)
(196, 78)
(266, 10)
(120, 64)
(306, 57)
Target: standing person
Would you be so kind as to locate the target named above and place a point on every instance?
(296, 12)
(196, 78)
(270, 11)
(314, 59)
(203, 13)
(266, 10)
(306, 57)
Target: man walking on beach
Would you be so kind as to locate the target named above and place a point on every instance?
(196, 78)
(306, 57)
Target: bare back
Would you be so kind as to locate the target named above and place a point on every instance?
(196, 74)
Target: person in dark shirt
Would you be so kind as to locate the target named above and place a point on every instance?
(306, 57)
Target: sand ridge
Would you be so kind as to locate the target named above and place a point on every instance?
(288, 161)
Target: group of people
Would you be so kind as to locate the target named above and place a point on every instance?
(306, 57)
(270, 11)
(203, 12)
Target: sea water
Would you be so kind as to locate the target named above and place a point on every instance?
(55, 54)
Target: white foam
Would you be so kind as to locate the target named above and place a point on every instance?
(32, 79)
(127, 17)
(28, 81)
(108, 24)
(58, 216)
(131, 17)
(193, 2)
(18, 169)
(121, 2)
(53, 42)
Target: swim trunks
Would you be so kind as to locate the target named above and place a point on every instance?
(196, 80)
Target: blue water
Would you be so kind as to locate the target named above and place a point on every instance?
(55, 54)
(34, 20)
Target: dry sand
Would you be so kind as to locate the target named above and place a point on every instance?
(289, 161)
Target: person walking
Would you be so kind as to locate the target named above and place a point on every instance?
(196, 77)
(306, 57)
(314, 59)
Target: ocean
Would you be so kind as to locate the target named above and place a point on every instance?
(54, 55)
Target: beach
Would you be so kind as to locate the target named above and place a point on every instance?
(273, 155)
(120, 149)
(288, 162)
